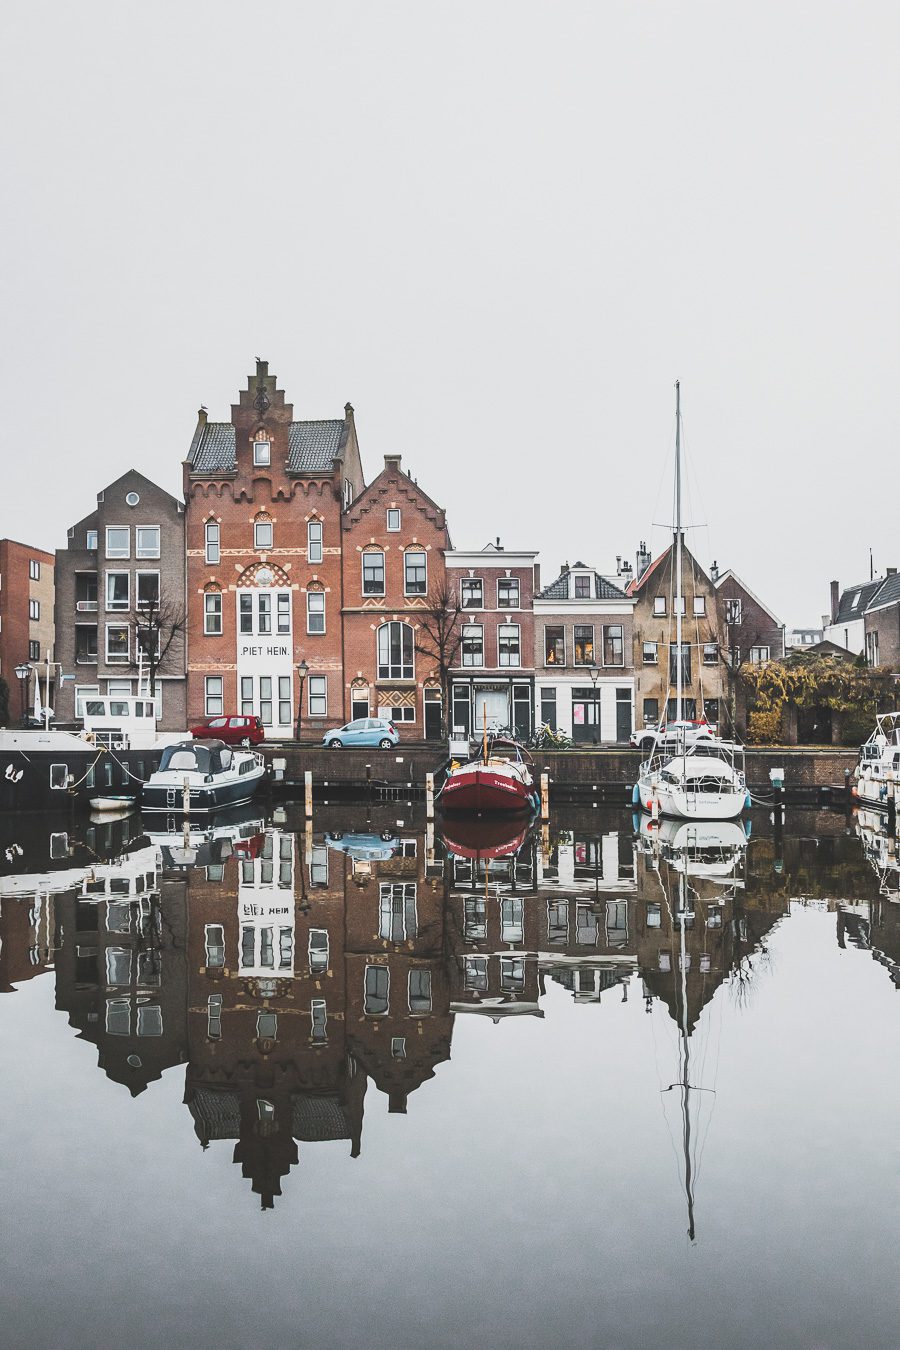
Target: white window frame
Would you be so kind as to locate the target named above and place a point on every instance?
(652, 660)
(90, 541)
(34, 569)
(314, 613)
(119, 606)
(143, 550)
(321, 688)
(263, 525)
(117, 658)
(212, 536)
(756, 654)
(211, 696)
(509, 663)
(733, 607)
(387, 671)
(315, 547)
(700, 606)
(393, 515)
(469, 630)
(409, 553)
(659, 606)
(34, 609)
(510, 582)
(83, 691)
(262, 454)
(111, 553)
(372, 553)
(209, 630)
(471, 583)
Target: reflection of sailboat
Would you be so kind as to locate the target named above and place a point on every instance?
(484, 838)
(700, 848)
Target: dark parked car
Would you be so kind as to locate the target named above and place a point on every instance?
(232, 730)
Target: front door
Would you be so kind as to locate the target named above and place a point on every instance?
(432, 714)
(586, 718)
(623, 715)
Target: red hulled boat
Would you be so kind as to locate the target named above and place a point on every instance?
(499, 781)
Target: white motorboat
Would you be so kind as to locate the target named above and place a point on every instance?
(690, 781)
(877, 774)
(198, 776)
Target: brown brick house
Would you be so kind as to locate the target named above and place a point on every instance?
(264, 498)
(393, 540)
(26, 620)
(126, 554)
(705, 683)
(882, 623)
(493, 674)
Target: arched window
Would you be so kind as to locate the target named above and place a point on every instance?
(395, 652)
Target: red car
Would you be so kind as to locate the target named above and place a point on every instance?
(231, 730)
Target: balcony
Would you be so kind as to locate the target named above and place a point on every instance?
(86, 606)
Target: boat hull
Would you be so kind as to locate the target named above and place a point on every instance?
(204, 797)
(483, 790)
(682, 804)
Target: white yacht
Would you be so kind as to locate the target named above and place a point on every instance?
(877, 775)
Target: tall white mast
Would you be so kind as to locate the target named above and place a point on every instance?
(679, 598)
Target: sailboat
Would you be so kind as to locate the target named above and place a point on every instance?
(690, 781)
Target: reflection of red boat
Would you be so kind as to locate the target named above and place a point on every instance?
(250, 848)
(483, 839)
(500, 780)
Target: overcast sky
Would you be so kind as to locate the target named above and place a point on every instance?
(501, 231)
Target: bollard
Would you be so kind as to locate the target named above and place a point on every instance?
(307, 793)
(545, 795)
(429, 796)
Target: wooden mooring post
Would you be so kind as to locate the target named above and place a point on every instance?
(545, 796)
(307, 793)
(429, 796)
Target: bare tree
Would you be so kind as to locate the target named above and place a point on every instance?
(159, 626)
(439, 636)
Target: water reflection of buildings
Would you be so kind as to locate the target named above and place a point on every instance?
(288, 969)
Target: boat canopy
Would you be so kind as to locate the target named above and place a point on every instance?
(196, 757)
(686, 767)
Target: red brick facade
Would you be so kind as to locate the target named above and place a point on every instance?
(26, 615)
(394, 537)
(264, 496)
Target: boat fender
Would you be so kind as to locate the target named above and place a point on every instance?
(747, 802)
(636, 795)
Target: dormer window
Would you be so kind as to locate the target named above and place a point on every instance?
(262, 452)
(582, 587)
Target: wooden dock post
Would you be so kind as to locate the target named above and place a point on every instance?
(429, 796)
(545, 795)
(307, 793)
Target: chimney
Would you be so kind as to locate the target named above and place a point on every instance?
(262, 369)
(835, 600)
(392, 462)
(642, 559)
(890, 571)
(537, 577)
(618, 564)
(499, 549)
(714, 572)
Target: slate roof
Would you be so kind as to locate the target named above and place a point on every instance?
(311, 447)
(559, 589)
(212, 449)
(888, 592)
(847, 610)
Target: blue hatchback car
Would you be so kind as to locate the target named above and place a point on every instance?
(365, 731)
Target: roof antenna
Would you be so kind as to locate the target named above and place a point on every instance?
(871, 567)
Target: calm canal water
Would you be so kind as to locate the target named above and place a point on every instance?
(365, 1085)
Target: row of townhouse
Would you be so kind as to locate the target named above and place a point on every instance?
(282, 584)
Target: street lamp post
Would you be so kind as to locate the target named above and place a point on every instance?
(24, 673)
(302, 672)
(595, 675)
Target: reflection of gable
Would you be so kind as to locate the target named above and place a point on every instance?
(314, 1119)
